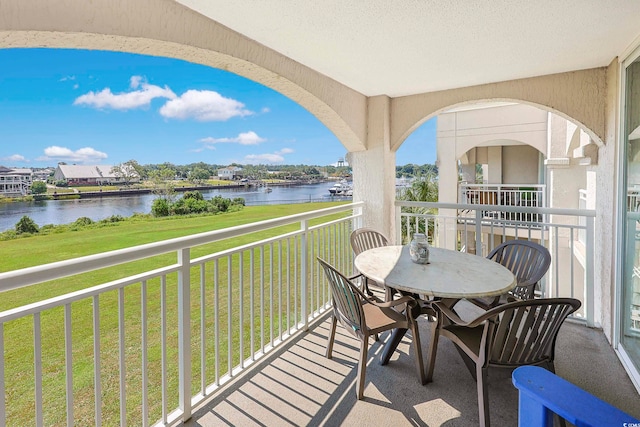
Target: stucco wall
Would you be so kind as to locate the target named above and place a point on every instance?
(520, 164)
(374, 170)
(577, 96)
(606, 193)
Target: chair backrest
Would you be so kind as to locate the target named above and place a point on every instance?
(363, 239)
(524, 332)
(528, 261)
(347, 301)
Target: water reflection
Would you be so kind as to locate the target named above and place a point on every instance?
(67, 211)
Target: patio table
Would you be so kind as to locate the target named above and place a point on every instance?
(449, 274)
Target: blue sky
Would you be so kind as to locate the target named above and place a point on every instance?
(96, 107)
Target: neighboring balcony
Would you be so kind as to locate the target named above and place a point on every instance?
(236, 320)
(528, 196)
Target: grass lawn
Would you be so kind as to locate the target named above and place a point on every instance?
(37, 250)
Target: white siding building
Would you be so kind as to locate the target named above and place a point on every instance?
(229, 173)
(90, 175)
(15, 182)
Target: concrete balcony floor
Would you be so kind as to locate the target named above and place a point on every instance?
(297, 385)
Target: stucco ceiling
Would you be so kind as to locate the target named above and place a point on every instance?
(402, 47)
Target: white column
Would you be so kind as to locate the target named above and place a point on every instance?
(374, 170)
(447, 189)
(495, 165)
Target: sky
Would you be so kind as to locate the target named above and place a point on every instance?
(98, 107)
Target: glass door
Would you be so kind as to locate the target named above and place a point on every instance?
(630, 301)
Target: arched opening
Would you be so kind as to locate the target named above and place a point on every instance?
(104, 108)
(517, 161)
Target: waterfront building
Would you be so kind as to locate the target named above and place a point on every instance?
(15, 182)
(92, 175)
(230, 173)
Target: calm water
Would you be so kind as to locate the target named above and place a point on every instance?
(67, 211)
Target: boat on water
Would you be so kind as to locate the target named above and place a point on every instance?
(342, 188)
(268, 190)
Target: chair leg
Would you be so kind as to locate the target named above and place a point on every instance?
(418, 351)
(470, 364)
(332, 334)
(388, 294)
(483, 397)
(433, 349)
(362, 367)
(365, 287)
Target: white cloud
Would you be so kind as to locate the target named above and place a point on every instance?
(204, 106)
(244, 138)
(263, 158)
(141, 96)
(65, 78)
(14, 158)
(269, 158)
(135, 81)
(83, 155)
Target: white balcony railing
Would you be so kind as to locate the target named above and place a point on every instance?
(466, 228)
(529, 196)
(147, 348)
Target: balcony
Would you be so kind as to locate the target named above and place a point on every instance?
(230, 326)
(299, 386)
(528, 196)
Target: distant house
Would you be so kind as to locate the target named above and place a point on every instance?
(42, 174)
(92, 175)
(230, 172)
(15, 182)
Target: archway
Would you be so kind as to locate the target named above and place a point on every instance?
(159, 28)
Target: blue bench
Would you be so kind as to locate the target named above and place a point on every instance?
(543, 393)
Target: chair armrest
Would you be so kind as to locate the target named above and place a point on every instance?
(406, 299)
(454, 318)
(449, 313)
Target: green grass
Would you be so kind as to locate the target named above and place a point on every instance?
(39, 250)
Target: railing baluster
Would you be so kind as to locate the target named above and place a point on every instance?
(163, 345)
(295, 282)
(122, 358)
(280, 307)
(145, 353)
(252, 304)
(203, 329)
(37, 362)
(271, 294)
(216, 319)
(262, 319)
(589, 296)
(3, 407)
(241, 306)
(68, 351)
(229, 315)
(303, 275)
(556, 243)
(184, 332)
(288, 289)
(97, 362)
(571, 263)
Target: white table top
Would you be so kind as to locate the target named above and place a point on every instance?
(449, 274)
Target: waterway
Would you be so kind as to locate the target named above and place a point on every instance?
(67, 211)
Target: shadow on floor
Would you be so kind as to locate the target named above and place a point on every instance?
(297, 385)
